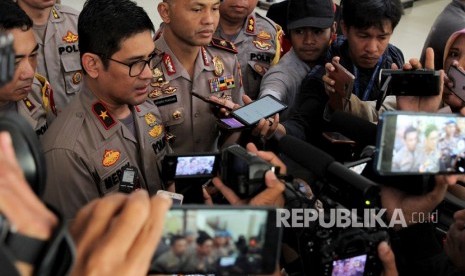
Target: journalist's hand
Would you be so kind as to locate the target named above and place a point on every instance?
(387, 257)
(329, 82)
(392, 198)
(118, 234)
(455, 242)
(424, 103)
(18, 203)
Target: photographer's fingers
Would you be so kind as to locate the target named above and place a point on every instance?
(388, 259)
(207, 199)
(268, 156)
(272, 195)
(127, 223)
(230, 196)
(429, 58)
(147, 240)
(93, 221)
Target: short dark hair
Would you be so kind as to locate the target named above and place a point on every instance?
(202, 238)
(104, 24)
(363, 14)
(13, 17)
(408, 130)
(176, 238)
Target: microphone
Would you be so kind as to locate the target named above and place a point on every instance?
(361, 131)
(345, 186)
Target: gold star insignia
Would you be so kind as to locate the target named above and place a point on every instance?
(103, 115)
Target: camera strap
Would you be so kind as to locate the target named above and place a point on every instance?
(366, 94)
(49, 257)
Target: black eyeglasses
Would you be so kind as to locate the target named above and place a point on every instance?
(137, 67)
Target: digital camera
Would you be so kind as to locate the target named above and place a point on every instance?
(240, 170)
(349, 251)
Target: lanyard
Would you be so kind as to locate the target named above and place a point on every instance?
(371, 83)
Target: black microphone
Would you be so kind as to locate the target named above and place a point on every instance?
(344, 185)
(361, 131)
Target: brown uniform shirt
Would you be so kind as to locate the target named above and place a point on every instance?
(30, 110)
(86, 151)
(258, 47)
(188, 118)
(58, 56)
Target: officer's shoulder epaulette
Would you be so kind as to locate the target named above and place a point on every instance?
(223, 44)
(66, 9)
(103, 115)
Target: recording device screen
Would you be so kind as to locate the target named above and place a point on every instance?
(262, 108)
(421, 143)
(128, 176)
(354, 266)
(458, 78)
(202, 240)
(196, 165)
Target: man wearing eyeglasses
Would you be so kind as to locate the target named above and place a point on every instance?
(109, 138)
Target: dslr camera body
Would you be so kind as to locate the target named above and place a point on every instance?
(348, 251)
(240, 170)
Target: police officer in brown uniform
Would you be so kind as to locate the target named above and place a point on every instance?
(110, 126)
(55, 28)
(257, 40)
(15, 95)
(193, 62)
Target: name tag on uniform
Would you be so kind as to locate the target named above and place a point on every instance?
(166, 100)
(222, 83)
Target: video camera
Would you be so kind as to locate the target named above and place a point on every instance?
(240, 170)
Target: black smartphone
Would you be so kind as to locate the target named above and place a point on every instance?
(249, 115)
(200, 239)
(337, 138)
(185, 166)
(422, 82)
(458, 77)
(420, 143)
(208, 100)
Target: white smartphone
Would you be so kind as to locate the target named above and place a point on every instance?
(177, 198)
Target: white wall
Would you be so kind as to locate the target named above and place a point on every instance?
(150, 7)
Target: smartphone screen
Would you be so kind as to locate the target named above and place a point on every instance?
(262, 108)
(349, 266)
(232, 123)
(421, 143)
(199, 240)
(458, 77)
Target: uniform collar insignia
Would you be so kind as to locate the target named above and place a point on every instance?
(103, 115)
(55, 13)
(250, 29)
(30, 106)
(168, 61)
(205, 57)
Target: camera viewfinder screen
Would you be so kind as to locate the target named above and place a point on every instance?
(195, 165)
(212, 240)
(422, 143)
(354, 266)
